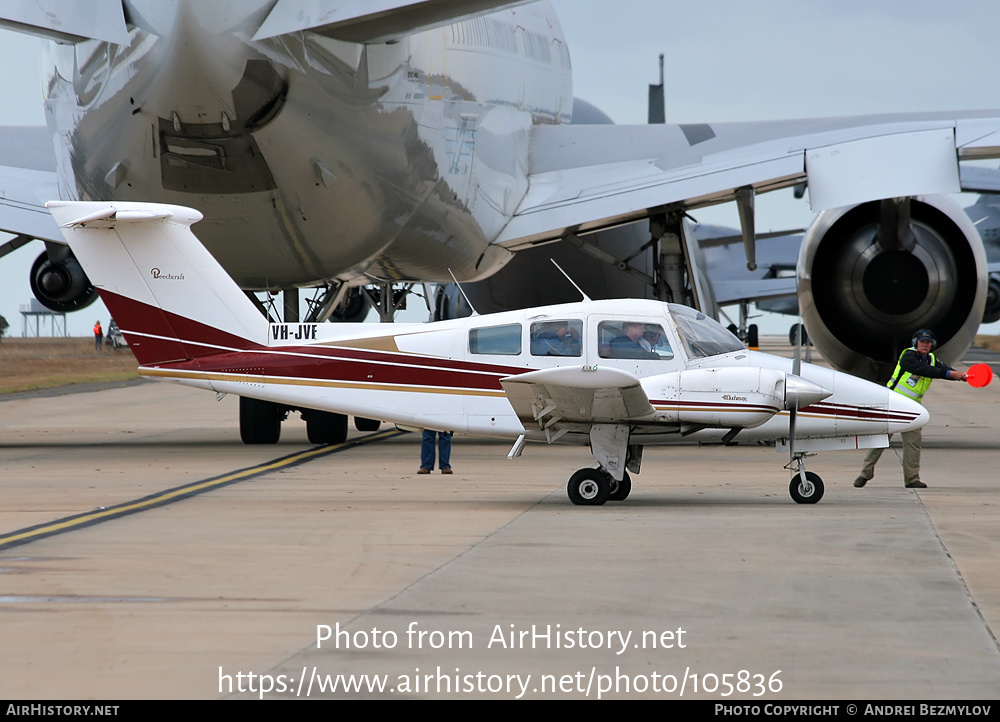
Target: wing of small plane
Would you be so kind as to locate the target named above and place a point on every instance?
(362, 21)
(558, 400)
(585, 178)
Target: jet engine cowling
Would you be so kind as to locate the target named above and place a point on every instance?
(60, 284)
(872, 274)
(992, 312)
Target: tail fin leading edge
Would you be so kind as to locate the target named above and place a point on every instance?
(167, 293)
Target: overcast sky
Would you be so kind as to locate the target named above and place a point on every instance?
(726, 60)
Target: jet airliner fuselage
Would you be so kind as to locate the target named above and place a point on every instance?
(313, 159)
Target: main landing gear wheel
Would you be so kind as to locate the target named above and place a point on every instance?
(620, 489)
(260, 421)
(589, 487)
(808, 493)
(325, 427)
(363, 424)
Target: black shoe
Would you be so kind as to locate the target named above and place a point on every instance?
(916, 485)
(859, 482)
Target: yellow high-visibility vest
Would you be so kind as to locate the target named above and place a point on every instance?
(907, 384)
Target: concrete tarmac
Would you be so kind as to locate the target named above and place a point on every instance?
(708, 579)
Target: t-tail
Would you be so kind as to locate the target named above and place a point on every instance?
(169, 296)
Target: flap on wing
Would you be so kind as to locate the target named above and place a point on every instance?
(68, 21)
(361, 21)
(579, 394)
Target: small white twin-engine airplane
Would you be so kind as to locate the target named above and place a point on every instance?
(618, 374)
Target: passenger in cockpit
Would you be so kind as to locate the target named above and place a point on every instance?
(632, 344)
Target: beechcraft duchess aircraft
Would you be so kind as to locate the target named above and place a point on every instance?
(618, 375)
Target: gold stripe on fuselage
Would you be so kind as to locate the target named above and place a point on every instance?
(324, 383)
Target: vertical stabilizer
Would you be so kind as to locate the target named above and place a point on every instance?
(170, 297)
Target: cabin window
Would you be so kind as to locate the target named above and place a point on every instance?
(499, 340)
(556, 338)
(634, 340)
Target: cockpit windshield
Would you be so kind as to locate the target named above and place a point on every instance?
(701, 335)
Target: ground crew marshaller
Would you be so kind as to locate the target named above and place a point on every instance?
(914, 372)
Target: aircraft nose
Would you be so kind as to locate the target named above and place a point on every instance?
(905, 414)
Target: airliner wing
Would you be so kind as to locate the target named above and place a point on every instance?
(67, 21)
(549, 399)
(585, 178)
(27, 180)
(363, 21)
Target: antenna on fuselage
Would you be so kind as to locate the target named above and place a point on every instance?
(462, 291)
(585, 296)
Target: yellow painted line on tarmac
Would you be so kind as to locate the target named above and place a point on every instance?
(169, 496)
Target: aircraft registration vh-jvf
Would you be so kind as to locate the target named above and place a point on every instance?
(617, 375)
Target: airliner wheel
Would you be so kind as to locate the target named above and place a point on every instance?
(588, 487)
(808, 493)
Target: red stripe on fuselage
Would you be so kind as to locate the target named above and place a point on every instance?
(157, 336)
(327, 368)
(857, 412)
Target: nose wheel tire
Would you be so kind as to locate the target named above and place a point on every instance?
(589, 487)
(809, 492)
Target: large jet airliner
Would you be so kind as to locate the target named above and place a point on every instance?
(340, 143)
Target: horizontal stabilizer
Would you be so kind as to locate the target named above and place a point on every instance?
(170, 297)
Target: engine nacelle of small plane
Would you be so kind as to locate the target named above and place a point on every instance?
(732, 397)
(862, 299)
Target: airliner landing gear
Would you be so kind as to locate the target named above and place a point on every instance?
(808, 491)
